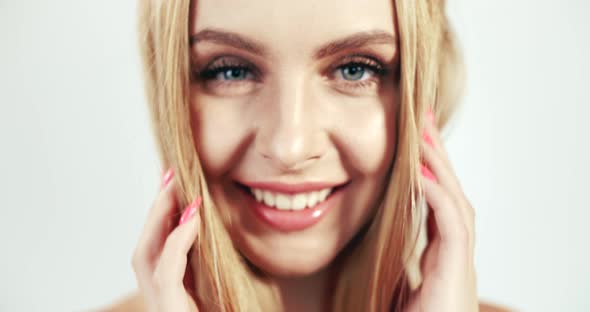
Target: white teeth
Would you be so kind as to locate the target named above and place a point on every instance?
(269, 199)
(299, 201)
(323, 194)
(282, 202)
(312, 199)
(290, 202)
(257, 194)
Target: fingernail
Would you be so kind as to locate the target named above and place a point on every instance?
(427, 138)
(427, 173)
(430, 115)
(190, 211)
(167, 177)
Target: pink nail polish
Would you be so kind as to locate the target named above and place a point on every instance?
(190, 211)
(427, 173)
(430, 115)
(167, 177)
(427, 138)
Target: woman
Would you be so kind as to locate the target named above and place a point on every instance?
(303, 143)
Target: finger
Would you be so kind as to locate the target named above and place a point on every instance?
(439, 167)
(171, 267)
(157, 227)
(435, 156)
(450, 224)
(448, 179)
(429, 129)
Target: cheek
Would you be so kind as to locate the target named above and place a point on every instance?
(220, 128)
(367, 138)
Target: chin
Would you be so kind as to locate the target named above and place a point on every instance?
(291, 261)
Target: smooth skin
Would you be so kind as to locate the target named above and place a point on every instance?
(448, 263)
(301, 104)
(301, 111)
(160, 260)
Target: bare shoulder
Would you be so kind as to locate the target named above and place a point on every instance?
(129, 303)
(489, 307)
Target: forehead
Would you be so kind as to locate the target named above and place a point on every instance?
(293, 25)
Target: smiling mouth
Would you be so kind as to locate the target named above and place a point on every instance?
(292, 201)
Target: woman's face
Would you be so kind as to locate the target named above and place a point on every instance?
(294, 105)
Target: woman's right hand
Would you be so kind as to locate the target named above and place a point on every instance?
(160, 258)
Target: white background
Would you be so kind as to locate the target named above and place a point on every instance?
(79, 168)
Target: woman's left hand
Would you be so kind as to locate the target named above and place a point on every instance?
(448, 270)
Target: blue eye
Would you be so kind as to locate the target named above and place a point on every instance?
(232, 73)
(352, 72)
(227, 69)
(227, 73)
(361, 69)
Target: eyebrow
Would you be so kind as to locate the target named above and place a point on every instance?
(237, 41)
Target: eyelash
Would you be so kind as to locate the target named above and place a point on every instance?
(369, 63)
(375, 67)
(220, 66)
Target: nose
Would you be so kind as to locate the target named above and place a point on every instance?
(288, 134)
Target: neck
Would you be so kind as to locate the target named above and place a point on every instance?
(306, 293)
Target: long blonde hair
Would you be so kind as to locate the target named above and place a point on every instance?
(379, 270)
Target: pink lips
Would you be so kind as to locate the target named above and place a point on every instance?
(293, 220)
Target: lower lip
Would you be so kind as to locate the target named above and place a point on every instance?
(293, 220)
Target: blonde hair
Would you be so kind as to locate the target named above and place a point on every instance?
(378, 271)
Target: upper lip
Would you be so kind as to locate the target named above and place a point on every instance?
(286, 188)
